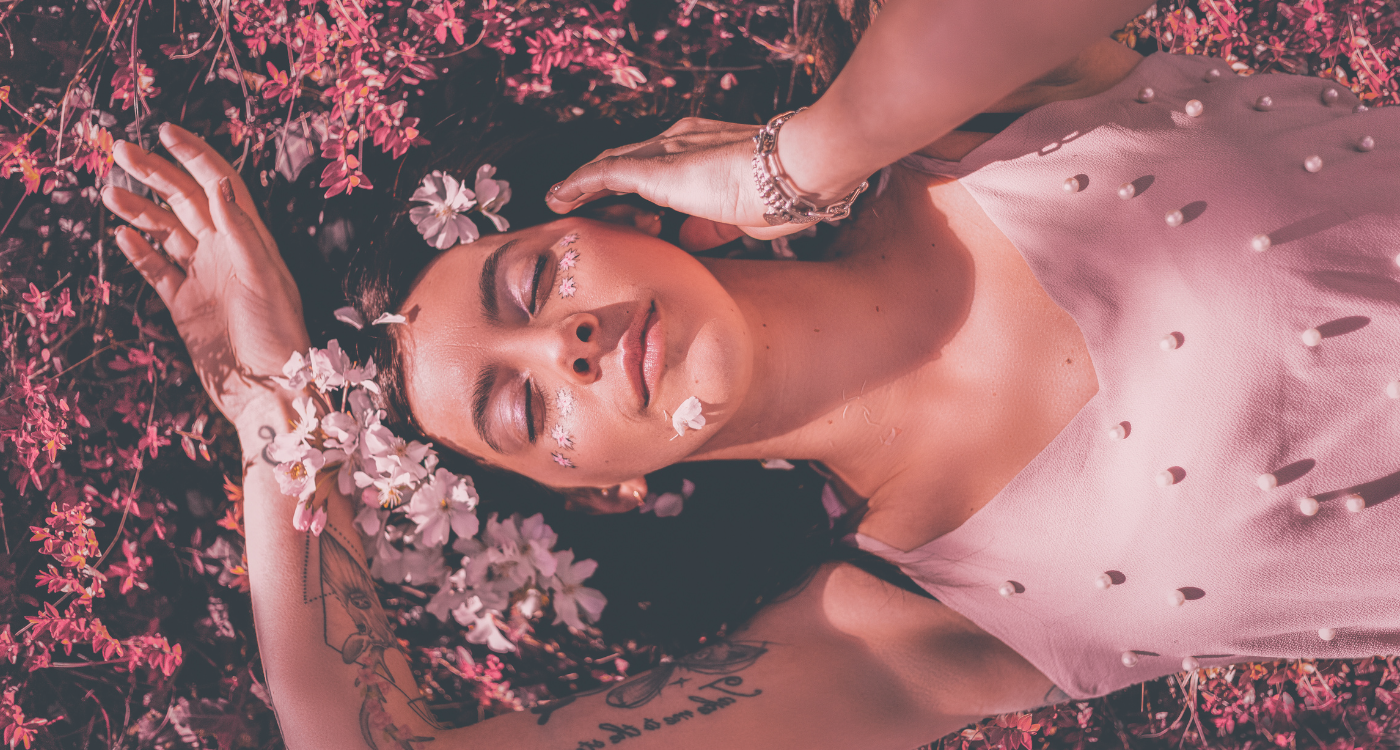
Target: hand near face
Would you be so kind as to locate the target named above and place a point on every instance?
(230, 294)
(699, 167)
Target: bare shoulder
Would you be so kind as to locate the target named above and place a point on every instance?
(927, 647)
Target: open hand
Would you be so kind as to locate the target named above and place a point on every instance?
(232, 298)
(698, 167)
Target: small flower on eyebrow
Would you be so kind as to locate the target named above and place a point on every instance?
(569, 260)
(562, 435)
(562, 460)
(567, 288)
(568, 239)
(564, 402)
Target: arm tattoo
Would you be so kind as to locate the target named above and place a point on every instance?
(721, 659)
(347, 591)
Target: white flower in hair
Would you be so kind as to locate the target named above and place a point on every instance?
(493, 195)
(350, 316)
(445, 503)
(443, 221)
(571, 597)
(483, 626)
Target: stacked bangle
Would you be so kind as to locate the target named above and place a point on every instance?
(785, 204)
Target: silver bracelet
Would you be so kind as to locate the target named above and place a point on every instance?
(785, 204)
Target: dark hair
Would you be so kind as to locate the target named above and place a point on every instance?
(748, 535)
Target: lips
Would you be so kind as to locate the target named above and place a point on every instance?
(642, 350)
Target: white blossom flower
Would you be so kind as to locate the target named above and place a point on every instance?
(350, 316)
(295, 374)
(530, 605)
(387, 492)
(567, 287)
(571, 597)
(688, 414)
(452, 593)
(538, 540)
(297, 477)
(371, 518)
(668, 504)
(493, 194)
(392, 455)
(445, 503)
(570, 258)
(443, 222)
(562, 435)
(483, 626)
(328, 366)
(292, 446)
(362, 377)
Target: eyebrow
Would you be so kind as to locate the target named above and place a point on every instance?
(481, 396)
(490, 306)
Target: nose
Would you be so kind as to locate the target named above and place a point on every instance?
(579, 353)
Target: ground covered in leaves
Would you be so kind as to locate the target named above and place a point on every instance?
(124, 610)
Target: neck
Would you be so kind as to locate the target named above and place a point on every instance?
(834, 341)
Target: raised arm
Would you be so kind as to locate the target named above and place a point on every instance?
(922, 68)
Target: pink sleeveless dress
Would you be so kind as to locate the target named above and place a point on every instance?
(1230, 494)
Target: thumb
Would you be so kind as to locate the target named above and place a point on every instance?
(699, 234)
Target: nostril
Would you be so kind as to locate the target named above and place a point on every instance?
(581, 366)
(584, 333)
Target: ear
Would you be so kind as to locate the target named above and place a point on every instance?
(646, 221)
(600, 500)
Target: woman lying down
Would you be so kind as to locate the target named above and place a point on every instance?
(1131, 359)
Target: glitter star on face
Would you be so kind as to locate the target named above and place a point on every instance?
(567, 287)
(564, 402)
(562, 436)
(569, 260)
(562, 460)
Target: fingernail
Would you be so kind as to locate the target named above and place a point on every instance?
(160, 131)
(556, 187)
(226, 189)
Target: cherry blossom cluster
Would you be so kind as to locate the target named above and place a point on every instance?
(410, 507)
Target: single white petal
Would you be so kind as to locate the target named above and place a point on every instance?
(688, 414)
(389, 318)
(350, 316)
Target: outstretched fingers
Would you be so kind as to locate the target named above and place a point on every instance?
(207, 167)
(185, 196)
(160, 273)
(153, 220)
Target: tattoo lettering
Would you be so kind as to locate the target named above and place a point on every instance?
(722, 658)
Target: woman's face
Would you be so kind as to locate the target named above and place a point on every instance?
(561, 351)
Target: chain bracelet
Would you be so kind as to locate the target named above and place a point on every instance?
(785, 204)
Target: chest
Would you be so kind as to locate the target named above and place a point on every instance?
(1014, 374)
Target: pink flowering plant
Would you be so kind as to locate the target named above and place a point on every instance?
(125, 618)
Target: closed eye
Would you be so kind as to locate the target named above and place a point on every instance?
(540, 266)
